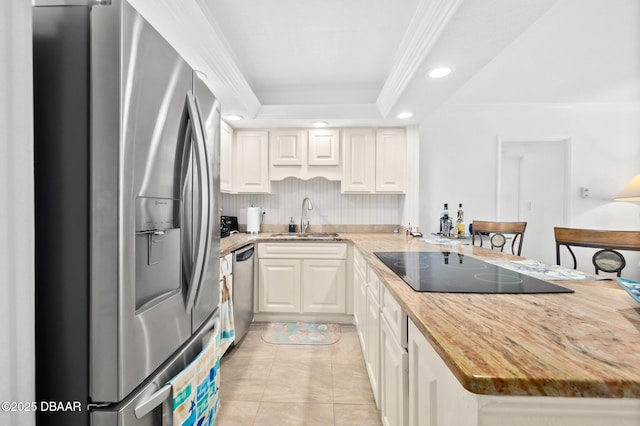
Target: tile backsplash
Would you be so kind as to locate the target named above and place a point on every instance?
(330, 207)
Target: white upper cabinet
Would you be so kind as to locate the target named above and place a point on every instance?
(391, 160)
(365, 160)
(375, 161)
(251, 162)
(286, 147)
(304, 154)
(226, 168)
(324, 147)
(358, 174)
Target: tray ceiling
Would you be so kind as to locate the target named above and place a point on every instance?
(284, 63)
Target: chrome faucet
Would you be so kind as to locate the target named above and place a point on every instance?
(304, 226)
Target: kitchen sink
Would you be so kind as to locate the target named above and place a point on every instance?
(307, 236)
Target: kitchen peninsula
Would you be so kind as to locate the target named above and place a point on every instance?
(572, 356)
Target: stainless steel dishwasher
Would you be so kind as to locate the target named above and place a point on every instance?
(242, 290)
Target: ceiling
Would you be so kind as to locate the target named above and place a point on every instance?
(287, 63)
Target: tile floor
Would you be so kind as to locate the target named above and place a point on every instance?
(266, 384)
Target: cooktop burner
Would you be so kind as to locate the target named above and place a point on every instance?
(446, 272)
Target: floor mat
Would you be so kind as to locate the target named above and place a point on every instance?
(301, 333)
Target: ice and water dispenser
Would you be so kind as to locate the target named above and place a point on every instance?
(157, 261)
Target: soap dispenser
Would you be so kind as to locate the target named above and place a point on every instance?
(292, 225)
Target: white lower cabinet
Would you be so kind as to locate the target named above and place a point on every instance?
(394, 385)
(323, 286)
(413, 385)
(279, 288)
(383, 340)
(372, 350)
(366, 314)
(360, 302)
(302, 278)
(436, 398)
(426, 404)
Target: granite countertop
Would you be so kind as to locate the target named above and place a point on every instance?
(582, 344)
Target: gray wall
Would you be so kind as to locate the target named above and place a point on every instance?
(17, 278)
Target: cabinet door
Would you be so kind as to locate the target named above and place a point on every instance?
(251, 162)
(423, 391)
(226, 169)
(285, 147)
(391, 160)
(324, 286)
(372, 357)
(394, 387)
(324, 147)
(360, 306)
(279, 285)
(359, 155)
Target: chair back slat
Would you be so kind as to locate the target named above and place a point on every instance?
(486, 227)
(623, 240)
(610, 241)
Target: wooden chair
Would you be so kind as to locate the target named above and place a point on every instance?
(608, 258)
(496, 230)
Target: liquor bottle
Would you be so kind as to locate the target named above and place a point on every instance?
(444, 220)
(460, 221)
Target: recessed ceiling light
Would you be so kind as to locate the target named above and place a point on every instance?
(405, 115)
(233, 117)
(320, 124)
(439, 72)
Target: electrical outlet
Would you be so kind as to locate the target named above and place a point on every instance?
(584, 192)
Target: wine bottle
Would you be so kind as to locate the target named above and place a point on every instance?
(460, 221)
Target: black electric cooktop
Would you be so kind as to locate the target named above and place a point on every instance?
(445, 272)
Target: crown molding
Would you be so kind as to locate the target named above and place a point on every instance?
(223, 66)
(316, 112)
(423, 31)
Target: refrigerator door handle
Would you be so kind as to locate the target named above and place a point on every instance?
(207, 186)
(149, 404)
(197, 272)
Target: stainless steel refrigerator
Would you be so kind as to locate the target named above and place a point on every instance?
(127, 192)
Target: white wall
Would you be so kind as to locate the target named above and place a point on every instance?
(458, 161)
(17, 348)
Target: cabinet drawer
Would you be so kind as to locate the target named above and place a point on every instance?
(302, 250)
(359, 263)
(394, 314)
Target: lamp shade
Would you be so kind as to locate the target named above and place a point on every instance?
(631, 192)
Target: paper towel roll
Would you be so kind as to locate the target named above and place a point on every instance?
(253, 220)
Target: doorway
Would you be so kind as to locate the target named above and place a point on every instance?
(533, 187)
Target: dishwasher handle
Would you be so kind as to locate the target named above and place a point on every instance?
(244, 253)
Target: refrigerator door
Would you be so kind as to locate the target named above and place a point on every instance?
(144, 407)
(149, 232)
(119, 146)
(208, 297)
